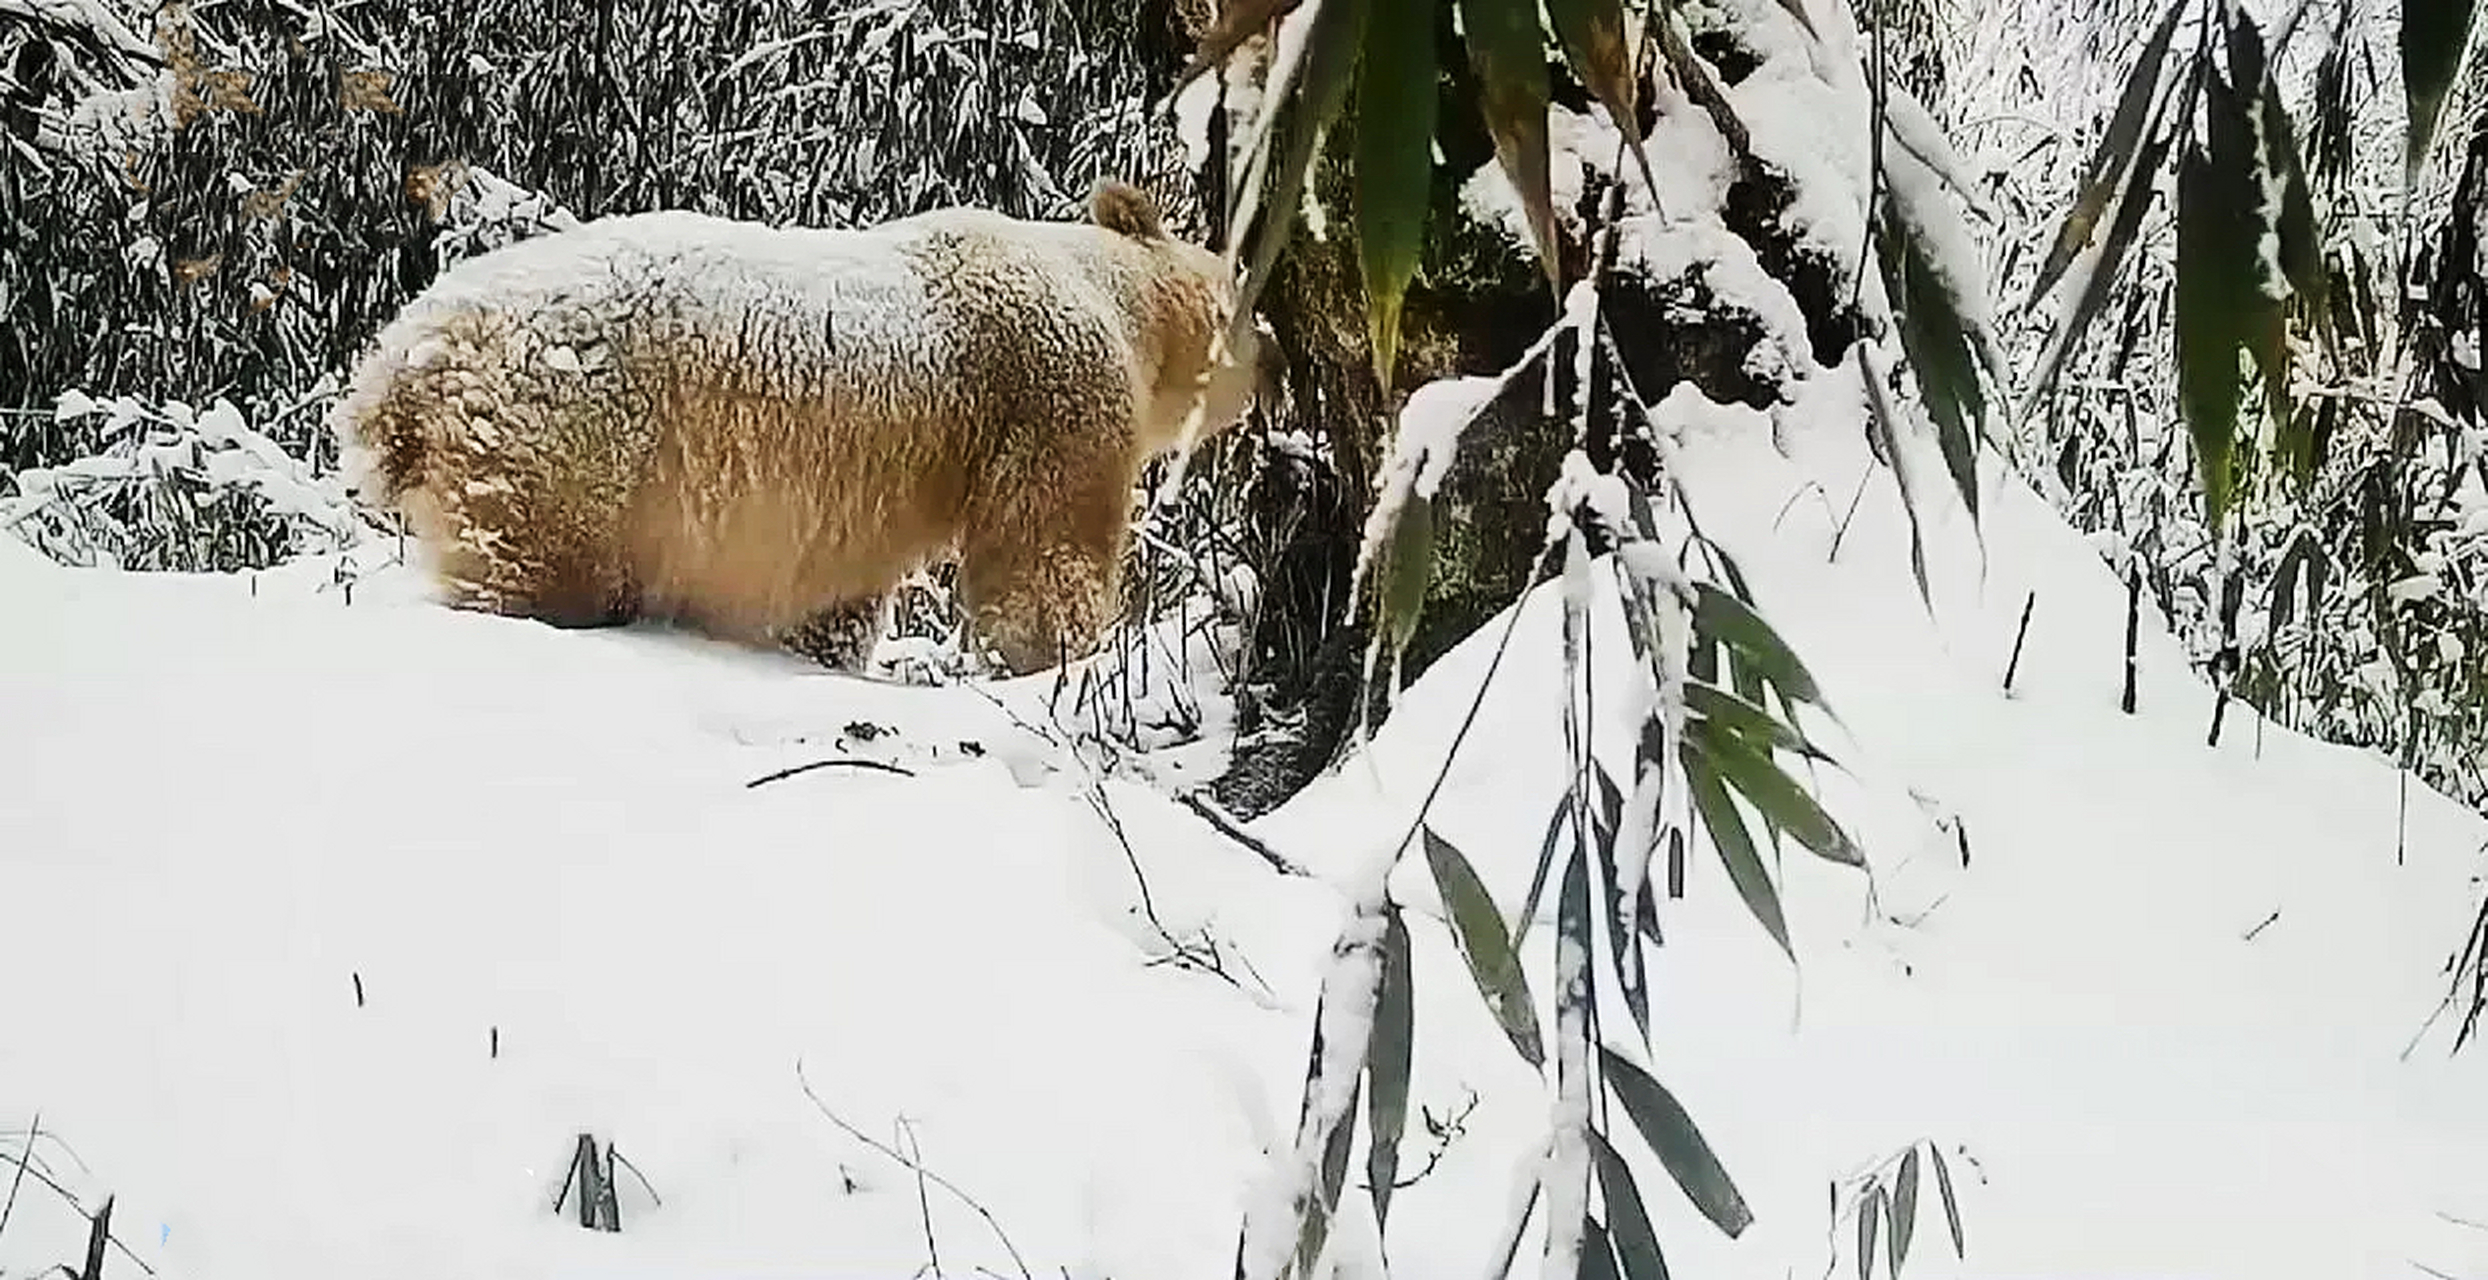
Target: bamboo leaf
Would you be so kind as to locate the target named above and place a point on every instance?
(1735, 844)
(1937, 338)
(1774, 794)
(1396, 95)
(1317, 1220)
(1478, 930)
(2099, 281)
(1311, 103)
(1883, 422)
(1869, 1217)
(1597, 1252)
(1952, 1207)
(2217, 193)
(2434, 33)
(1386, 1065)
(1592, 35)
(2115, 152)
(1721, 616)
(1679, 1144)
(2302, 251)
(1904, 1209)
(1555, 824)
(1636, 1242)
(1508, 52)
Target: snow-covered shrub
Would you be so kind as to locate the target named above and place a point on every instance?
(166, 486)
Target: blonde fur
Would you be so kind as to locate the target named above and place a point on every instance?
(757, 432)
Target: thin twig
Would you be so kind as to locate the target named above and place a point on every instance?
(1225, 824)
(844, 762)
(924, 1201)
(920, 1169)
(25, 1153)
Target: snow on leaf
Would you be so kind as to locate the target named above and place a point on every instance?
(73, 403)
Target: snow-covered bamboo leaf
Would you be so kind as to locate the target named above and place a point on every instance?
(1723, 617)
(2434, 33)
(1728, 834)
(1568, 1170)
(1883, 424)
(1699, 84)
(1904, 1209)
(1508, 51)
(1386, 1065)
(2111, 159)
(1318, 1217)
(1628, 1220)
(1774, 794)
(1592, 35)
(2232, 123)
(1679, 1144)
(1395, 100)
(1869, 1218)
(1478, 929)
(2302, 251)
(1952, 1207)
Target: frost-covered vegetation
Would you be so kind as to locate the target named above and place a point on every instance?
(1526, 275)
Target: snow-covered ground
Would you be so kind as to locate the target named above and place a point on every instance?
(332, 925)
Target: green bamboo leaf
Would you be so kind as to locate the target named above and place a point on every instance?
(1636, 1243)
(1396, 93)
(2434, 33)
(1597, 1252)
(2101, 179)
(1386, 1065)
(2095, 286)
(1680, 1146)
(1592, 35)
(1869, 1217)
(2303, 558)
(1904, 1209)
(1478, 929)
(1952, 1208)
(1311, 102)
(1735, 844)
(1938, 340)
(2217, 194)
(1555, 824)
(1508, 52)
(1774, 794)
(1723, 617)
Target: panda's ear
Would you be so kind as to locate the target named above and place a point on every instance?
(1120, 207)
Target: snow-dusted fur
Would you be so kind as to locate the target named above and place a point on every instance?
(757, 432)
